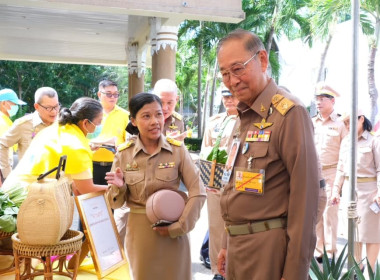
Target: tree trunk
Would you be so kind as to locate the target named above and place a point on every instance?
(270, 38)
(321, 72)
(199, 108)
(372, 90)
(205, 104)
(212, 97)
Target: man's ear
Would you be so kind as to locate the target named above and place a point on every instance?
(99, 93)
(264, 60)
(36, 105)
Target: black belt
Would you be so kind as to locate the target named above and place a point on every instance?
(103, 163)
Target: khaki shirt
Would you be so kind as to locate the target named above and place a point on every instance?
(21, 132)
(368, 159)
(329, 134)
(143, 176)
(291, 178)
(215, 125)
(174, 124)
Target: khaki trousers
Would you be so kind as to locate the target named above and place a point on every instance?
(327, 227)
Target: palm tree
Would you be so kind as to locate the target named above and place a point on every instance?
(370, 22)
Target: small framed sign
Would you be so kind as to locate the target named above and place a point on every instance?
(101, 232)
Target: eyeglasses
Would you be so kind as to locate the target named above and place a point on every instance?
(237, 69)
(91, 123)
(110, 95)
(51, 108)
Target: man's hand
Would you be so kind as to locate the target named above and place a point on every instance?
(222, 262)
(115, 178)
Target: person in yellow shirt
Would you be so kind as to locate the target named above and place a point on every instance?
(67, 137)
(8, 108)
(110, 133)
(27, 127)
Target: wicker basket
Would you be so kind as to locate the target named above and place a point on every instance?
(70, 242)
(205, 168)
(4, 234)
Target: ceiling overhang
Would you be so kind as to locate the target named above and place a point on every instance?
(95, 31)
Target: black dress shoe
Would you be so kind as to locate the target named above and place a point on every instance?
(206, 261)
(218, 277)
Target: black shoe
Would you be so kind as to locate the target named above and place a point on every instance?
(218, 277)
(319, 259)
(206, 261)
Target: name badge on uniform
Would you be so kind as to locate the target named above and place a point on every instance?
(230, 161)
(251, 181)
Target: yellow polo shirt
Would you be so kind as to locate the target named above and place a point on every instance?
(45, 151)
(114, 125)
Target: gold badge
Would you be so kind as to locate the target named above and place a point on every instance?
(262, 108)
(132, 166)
(263, 124)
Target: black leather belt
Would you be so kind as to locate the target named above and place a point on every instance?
(103, 163)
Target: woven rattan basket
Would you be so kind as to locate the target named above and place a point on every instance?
(205, 170)
(4, 234)
(70, 242)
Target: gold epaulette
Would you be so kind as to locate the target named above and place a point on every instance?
(373, 133)
(173, 141)
(282, 104)
(177, 116)
(125, 145)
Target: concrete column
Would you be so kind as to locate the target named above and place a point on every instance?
(164, 52)
(136, 69)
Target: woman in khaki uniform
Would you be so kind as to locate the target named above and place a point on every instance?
(148, 163)
(367, 188)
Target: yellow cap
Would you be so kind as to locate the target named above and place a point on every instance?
(323, 89)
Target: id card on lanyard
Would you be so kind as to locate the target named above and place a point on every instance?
(230, 161)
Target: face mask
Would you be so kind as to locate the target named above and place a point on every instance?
(13, 110)
(96, 132)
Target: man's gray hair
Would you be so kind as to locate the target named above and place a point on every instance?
(165, 85)
(44, 91)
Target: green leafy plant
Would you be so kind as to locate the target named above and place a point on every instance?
(10, 201)
(373, 275)
(331, 269)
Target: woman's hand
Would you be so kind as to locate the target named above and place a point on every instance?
(115, 178)
(335, 199)
(163, 231)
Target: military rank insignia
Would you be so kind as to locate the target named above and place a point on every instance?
(258, 136)
(132, 166)
(166, 165)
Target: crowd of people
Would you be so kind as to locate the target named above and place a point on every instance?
(278, 206)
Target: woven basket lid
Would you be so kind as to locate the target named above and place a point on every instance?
(164, 205)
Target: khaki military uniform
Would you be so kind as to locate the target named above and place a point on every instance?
(152, 256)
(329, 134)
(368, 183)
(174, 124)
(215, 221)
(21, 133)
(290, 188)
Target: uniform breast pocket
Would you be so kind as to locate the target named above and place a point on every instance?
(167, 177)
(364, 154)
(260, 159)
(135, 183)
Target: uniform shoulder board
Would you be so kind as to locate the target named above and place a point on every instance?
(23, 119)
(282, 104)
(373, 133)
(125, 145)
(174, 142)
(177, 116)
